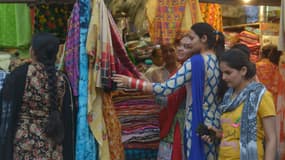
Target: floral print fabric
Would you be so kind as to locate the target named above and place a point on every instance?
(30, 141)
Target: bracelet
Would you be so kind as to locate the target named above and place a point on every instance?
(129, 82)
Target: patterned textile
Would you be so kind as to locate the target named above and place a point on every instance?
(120, 50)
(2, 78)
(15, 27)
(267, 74)
(212, 14)
(210, 110)
(86, 146)
(72, 49)
(251, 97)
(35, 105)
(113, 129)
(141, 154)
(167, 20)
(52, 18)
(182, 13)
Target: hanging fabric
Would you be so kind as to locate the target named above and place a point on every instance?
(86, 145)
(167, 18)
(71, 61)
(15, 25)
(212, 14)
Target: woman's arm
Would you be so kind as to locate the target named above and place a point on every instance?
(269, 125)
(182, 76)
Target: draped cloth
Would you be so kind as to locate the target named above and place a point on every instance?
(167, 18)
(71, 61)
(251, 97)
(198, 79)
(86, 146)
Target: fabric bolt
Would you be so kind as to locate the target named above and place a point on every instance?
(15, 25)
(140, 154)
(210, 110)
(86, 145)
(72, 49)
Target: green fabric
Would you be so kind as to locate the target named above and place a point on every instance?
(15, 25)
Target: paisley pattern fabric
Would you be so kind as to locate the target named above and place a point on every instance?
(210, 107)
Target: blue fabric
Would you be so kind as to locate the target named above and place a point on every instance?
(86, 145)
(251, 96)
(198, 78)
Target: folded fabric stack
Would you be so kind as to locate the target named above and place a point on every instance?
(251, 40)
(139, 117)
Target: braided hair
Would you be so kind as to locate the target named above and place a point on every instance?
(45, 47)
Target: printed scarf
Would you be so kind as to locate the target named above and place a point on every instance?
(251, 97)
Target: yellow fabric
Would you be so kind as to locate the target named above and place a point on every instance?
(187, 20)
(229, 148)
(212, 14)
(191, 15)
(96, 41)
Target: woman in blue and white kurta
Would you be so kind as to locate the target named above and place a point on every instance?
(201, 76)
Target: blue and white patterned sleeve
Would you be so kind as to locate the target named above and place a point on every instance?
(182, 76)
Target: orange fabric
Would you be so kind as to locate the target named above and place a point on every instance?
(212, 14)
(167, 21)
(281, 112)
(113, 129)
(268, 74)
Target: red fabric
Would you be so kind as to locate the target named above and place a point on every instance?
(177, 146)
(167, 114)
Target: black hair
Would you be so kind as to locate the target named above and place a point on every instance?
(45, 47)
(268, 49)
(271, 52)
(215, 39)
(237, 59)
(243, 48)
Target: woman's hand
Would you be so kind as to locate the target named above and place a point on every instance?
(121, 80)
(207, 138)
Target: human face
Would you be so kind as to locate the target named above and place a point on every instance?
(196, 43)
(233, 77)
(169, 55)
(157, 58)
(183, 49)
